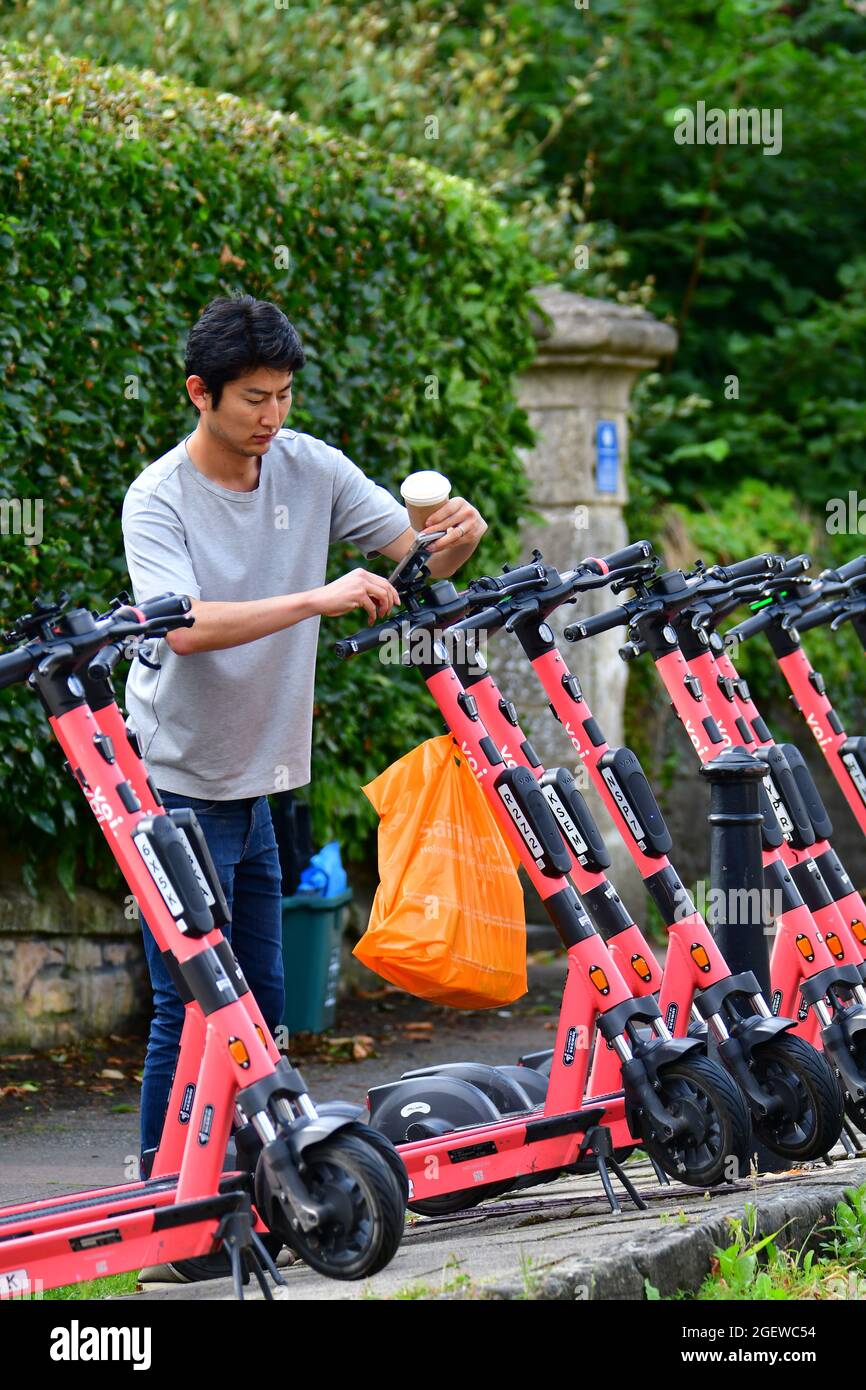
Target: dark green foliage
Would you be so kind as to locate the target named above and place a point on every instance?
(567, 116)
(126, 203)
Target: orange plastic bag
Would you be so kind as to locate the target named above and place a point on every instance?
(448, 918)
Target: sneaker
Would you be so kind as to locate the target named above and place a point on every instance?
(202, 1267)
(190, 1271)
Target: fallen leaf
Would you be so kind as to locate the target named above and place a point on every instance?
(417, 1027)
(111, 1075)
(19, 1057)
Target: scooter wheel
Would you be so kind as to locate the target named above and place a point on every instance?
(364, 1210)
(803, 1079)
(383, 1146)
(198, 1268)
(460, 1201)
(718, 1123)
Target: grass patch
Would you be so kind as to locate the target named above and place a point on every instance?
(111, 1287)
(759, 1268)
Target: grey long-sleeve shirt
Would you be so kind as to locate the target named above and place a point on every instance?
(238, 722)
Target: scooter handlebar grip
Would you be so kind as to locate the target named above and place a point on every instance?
(165, 606)
(854, 569)
(623, 559)
(749, 569)
(364, 640)
(15, 666)
(503, 582)
(798, 564)
(749, 627)
(816, 617)
(101, 666)
(488, 619)
(598, 622)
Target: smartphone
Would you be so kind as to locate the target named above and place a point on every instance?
(423, 540)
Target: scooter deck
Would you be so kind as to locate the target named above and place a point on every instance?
(158, 1190)
(44, 1248)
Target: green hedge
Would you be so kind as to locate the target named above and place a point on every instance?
(126, 203)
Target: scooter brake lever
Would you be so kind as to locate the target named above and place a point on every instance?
(698, 614)
(525, 610)
(789, 618)
(54, 659)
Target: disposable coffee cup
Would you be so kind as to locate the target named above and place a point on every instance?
(423, 494)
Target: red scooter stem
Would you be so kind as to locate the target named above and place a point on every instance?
(59, 1241)
(796, 921)
(810, 698)
(177, 1131)
(739, 720)
(694, 961)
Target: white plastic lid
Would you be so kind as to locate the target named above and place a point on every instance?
(426, 486)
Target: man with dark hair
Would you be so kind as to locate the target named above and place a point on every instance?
(239, 516)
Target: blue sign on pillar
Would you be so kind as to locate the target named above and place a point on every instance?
(606, 457)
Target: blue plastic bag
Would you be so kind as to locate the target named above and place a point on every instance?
(325, 874)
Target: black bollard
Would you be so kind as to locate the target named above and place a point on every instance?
(737, 882)
(736, 863)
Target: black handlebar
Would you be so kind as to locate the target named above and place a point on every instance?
(599, 622)
(816, 617)
(366, 639)
(79, 637)
(623, 559)
(510, 579)
(488, 619)
(854, 569)
(798, 564)
(750, 627)
(167, 606)
(748, 569)
(16, 666)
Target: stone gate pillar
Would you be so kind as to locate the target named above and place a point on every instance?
(576, 393)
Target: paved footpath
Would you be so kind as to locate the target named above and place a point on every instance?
(559, 1241)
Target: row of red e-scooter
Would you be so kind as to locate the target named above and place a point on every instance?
(691, 1062)
(787, 1063)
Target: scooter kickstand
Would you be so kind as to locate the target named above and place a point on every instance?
(629, 1185)
(247, 1254)
(661, 1175)
(598, 1144)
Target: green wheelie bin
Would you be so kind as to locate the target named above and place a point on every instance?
(312, 941)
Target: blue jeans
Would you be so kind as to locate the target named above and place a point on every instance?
(240, 837)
